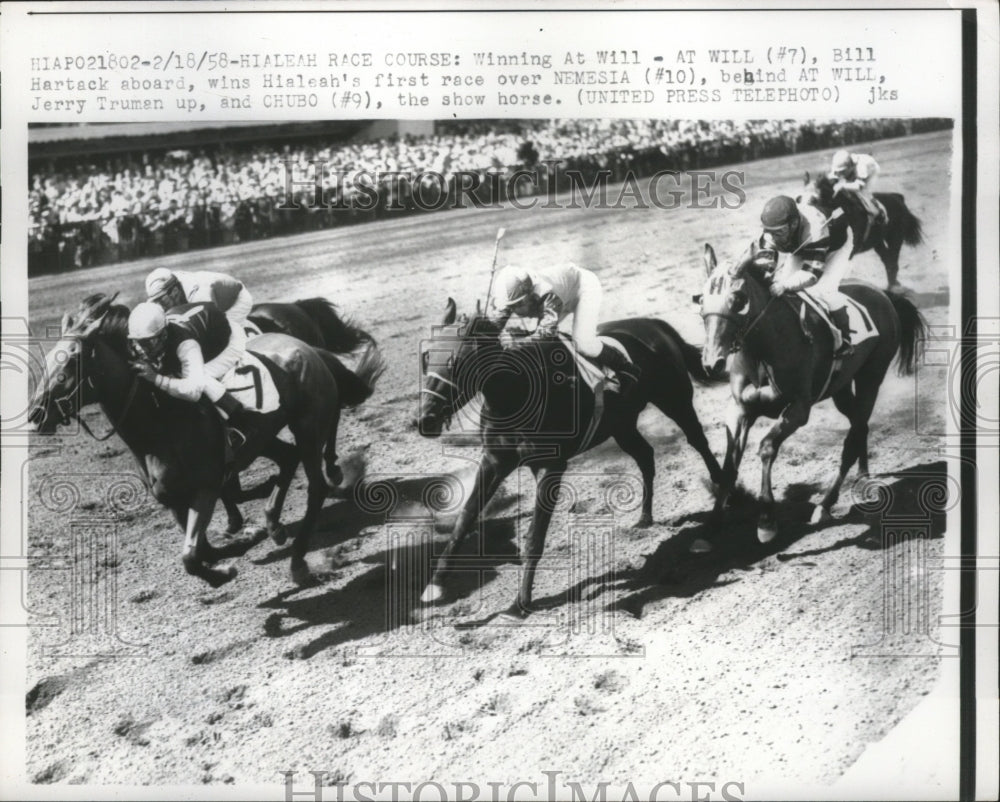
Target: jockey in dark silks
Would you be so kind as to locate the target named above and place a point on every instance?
(802, 250)
(551, 294)
(186, 352)
(857, 174)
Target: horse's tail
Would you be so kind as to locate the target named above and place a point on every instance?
(913, 230)
(356, 386)
(340, 335)
(912, 335)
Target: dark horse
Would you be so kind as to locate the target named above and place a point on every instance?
(886, 238)
(179, 445)
(781, 365)
(314, 321)
(537, 413)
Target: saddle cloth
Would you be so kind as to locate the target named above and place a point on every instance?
(861, 324)
(588, 370)
(251, 382)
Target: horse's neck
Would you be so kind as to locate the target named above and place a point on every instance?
(768, 341)
(128, 402)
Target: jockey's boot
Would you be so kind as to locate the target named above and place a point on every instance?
(628, 372)
(842, 322)
(241, 418)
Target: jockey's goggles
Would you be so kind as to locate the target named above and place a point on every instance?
(149, 348)
(782, 231)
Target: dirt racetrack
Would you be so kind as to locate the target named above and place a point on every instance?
(768, 666)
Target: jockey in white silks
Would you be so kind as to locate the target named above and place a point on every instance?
(857, 173)
(550, 295)
(803, 250)
(170, 289)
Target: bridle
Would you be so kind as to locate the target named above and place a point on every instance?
(66, 410)
(745, 328)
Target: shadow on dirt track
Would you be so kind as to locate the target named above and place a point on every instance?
(915, 494)
(384, 597)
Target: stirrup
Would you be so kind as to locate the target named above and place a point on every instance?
(235, 439)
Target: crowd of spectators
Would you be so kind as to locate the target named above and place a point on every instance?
(113, 208)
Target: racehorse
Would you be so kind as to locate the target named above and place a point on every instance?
(179, 445)
(537, 412)
(886, 238)
(782, 363)
(314, 321)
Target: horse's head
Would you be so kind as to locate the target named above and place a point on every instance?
(65, 388)
(818, 192)
(450, 363)
(725, 308)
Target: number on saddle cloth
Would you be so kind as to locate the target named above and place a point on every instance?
(252, 384)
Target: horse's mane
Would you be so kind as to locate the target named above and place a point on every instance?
(114, 327)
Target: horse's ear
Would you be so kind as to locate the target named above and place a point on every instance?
(450, 311)
(66, 323)
(709, 258)
(93, 325)
(479, 308)
(805, 181)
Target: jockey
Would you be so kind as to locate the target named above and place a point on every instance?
(814, 257)
(173, 288)
(185, 353)
(550, 294)
(857, 173)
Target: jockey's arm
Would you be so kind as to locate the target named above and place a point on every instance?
(229, 294)
(548, 323)
(190, 385)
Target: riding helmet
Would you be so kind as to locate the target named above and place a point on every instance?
(779, 211)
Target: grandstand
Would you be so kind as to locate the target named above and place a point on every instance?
(104, 193)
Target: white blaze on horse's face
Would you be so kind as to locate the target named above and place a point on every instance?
(724, 307)
(438, 400)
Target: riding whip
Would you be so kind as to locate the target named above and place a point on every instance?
(493, 268)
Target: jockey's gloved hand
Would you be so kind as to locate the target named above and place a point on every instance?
(766, 259)
(778, 288)
(143, 370)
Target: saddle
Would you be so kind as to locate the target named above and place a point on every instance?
(592, 373)
(862, 326)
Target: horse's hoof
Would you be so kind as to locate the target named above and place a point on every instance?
(766, 532)
(432, 593)
(644, 522)
(518, 611)
(700, 546)
(278, 534)
(234, 526)
(255, 532)
(221, 576)
(820, 515)
(301, 575)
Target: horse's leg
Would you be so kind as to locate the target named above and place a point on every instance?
(795, 415)
(490, 475)
(311, 454)
(631, 441)
(286, 457)
(738, 424)
(334, 474)
(683, 414)
(230, 492)
(547, 483)
(889, 254)
(845, 402)
(196, 542)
